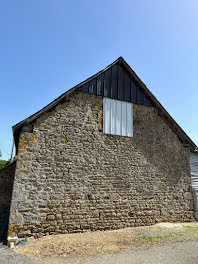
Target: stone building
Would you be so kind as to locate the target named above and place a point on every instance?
(103, 155)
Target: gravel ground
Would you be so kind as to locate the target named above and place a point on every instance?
(9, 256)
(176, 253)
(90, 244)
(163, 243)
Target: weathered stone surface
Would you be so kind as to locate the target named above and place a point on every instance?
(71, 177)
(50, 218)
(58, 217)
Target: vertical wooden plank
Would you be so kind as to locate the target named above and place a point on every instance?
(127, 88)
(120, 83)
(132, 119)
(147, 101)
(94, 86)
(140, 96)
(113, 116)
(114, 82)
(85, 88)
(133, 92)
(129, 119)
(124, 120)
(107, 114)
(107, 83)
(104, 115)
(100, 84)
(194, 170)
(118, 117)
(90, 85)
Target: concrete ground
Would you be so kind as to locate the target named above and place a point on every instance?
(174, 253)
(178, 253)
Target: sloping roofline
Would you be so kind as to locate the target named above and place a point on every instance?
(162, 112)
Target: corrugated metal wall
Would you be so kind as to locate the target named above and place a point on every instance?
(194, 170)
(117, 117)
(116, 83)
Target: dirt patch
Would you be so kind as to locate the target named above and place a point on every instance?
(93, 243)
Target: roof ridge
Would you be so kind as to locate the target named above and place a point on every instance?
(162, 111)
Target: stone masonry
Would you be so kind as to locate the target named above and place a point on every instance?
(6, 185)
(70, 177)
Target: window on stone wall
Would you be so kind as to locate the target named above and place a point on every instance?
(117, 117)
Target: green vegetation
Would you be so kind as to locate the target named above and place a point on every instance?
(154, 238)
(185, 233)
(4, 163)
(190, 228)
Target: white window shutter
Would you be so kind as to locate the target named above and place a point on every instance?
(117, 117)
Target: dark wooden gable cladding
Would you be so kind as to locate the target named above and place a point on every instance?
(117, 83)
(120, 82)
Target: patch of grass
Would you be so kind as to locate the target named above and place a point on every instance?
(188, 227)
(170, 235)
(157, 238)
(163, 237)
(154, 238)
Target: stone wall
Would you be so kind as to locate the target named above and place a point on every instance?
(70, 177)
(6, 185)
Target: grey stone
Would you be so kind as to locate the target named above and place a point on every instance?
(88, 180)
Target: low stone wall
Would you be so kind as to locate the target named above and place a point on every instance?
(70, 177)
(6, 186)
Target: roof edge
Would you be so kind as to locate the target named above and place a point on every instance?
(162, 111)
(62, 96)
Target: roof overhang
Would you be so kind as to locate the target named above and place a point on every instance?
(162, 112)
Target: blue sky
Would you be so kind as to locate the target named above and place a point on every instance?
(48, 46)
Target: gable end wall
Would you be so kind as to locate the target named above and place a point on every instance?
(70, 177)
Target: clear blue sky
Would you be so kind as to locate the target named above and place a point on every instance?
(48, 46)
